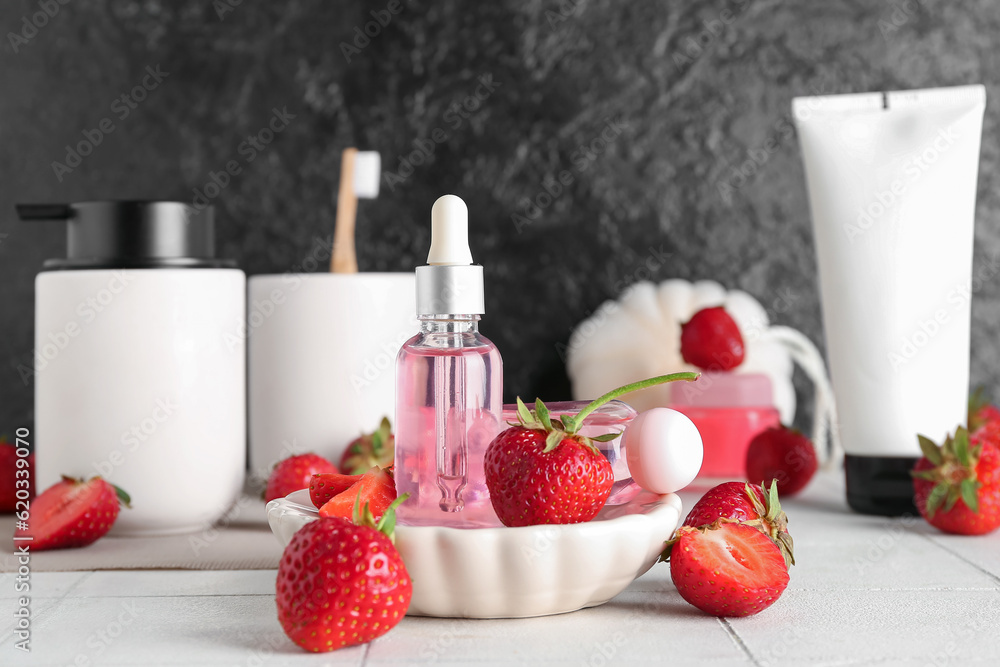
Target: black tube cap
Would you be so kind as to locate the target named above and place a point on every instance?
(131, 234)
(880, 485)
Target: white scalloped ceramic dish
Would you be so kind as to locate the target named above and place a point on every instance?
(518, 572)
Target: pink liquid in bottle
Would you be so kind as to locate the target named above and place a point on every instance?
(448, 406)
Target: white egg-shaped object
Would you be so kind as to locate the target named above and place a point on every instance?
(663, 449)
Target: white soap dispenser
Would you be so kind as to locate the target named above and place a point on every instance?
(140, 371)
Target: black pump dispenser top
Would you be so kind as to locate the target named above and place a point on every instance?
(132, 234)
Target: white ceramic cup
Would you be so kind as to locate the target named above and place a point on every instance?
(322, 359)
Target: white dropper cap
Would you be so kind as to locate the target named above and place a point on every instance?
(449, 233)
(450, 284)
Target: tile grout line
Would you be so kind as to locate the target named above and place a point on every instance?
(52, 602)
(55, 601)
(961, 557)
(731, 631)
(72, 587)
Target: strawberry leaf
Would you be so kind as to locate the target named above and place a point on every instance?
(930, 450)
(362, 516)
(552, 440)
(962, 447)
(542, 413)
(758, 507)
(387, 524)
(356, 512)
(523, 412)
(952, 498)
(607, 437)
(570, 424)
(668, 546)
(381, 436)
(787, 548)
(970, 494)
(772, 497)
(936, 498)
(123, 497)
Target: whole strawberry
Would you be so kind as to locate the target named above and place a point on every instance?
(711, 340)
(957, 485)
(341, 584)
(982, 413)
(72, 513)
(10, 472)
(295, 473)
(537, 473)
(782, 454)
(726, 568)
(747, 504)
(370, 450)
(542, 470)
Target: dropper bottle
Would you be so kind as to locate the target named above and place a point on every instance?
(449, 386)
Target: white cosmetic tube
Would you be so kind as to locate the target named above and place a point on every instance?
(892, 192)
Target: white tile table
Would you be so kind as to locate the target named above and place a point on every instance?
(867, 590)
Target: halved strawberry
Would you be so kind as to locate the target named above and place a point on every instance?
(727, 568)
(326, 485)
(377, 490)
(72, 513)
(749, 504)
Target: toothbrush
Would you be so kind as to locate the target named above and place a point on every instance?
(360, 172)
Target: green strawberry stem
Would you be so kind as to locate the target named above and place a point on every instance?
(572, 424)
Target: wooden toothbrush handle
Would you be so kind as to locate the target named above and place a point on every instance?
(343, 258)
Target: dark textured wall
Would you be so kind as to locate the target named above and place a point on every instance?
(685, 92)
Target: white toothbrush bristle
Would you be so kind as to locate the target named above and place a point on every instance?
(367, 174)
